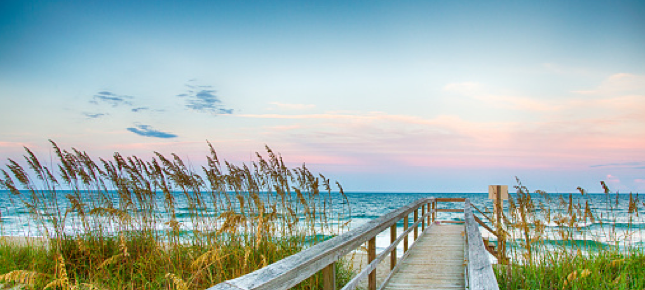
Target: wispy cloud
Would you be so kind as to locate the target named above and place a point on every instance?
(203, 99)
(111, 99)
(148, 131)
(140, 109)
(285, 106)
(479, 92)
(618, 84)
(621, 164)
(565, 70)
(93, 116)
(612, 179)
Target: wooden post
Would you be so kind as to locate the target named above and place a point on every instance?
(423, 220)
(498, 193)
(371, 255)
(405, 239)
(416, 228)
(434, 211)
(329, 277)
(501, 243)
(428, 206)
(393, 253)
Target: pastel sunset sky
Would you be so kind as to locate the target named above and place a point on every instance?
(403, 96)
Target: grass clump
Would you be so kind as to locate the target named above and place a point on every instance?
(127, 223)
(600, 270)
(572, 241)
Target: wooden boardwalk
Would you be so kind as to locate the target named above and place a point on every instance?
(445, 256)
(436, 261)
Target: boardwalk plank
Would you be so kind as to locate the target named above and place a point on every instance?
(435, 262)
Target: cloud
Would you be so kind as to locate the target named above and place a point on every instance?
(93, 116)
(139, 109)
(148, 131)
(479, 92)
(618, 84)
(111, 99)
(204, 99)
(465, 88)
(620, 164)
(560, 69)
(292, 106)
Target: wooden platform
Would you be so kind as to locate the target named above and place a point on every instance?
(446, 255)
(436, 261)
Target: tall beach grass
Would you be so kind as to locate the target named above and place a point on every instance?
(570, 242)
(129, 223)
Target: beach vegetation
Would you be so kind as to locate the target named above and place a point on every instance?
(129, 223)
(570, 241)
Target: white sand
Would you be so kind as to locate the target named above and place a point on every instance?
(359, 262)
(23, 241)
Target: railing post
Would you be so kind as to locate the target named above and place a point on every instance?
(393, 253)
(423, 219)
(371, 255)
(428, 206)
(416, 228)
(405, 239)
(329, 277)
(501, 239)
(434, 210)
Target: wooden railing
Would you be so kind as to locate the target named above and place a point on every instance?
(292, 270)
(479, 272)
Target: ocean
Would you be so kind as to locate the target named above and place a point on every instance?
(614, 223)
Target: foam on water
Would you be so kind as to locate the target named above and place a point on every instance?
(616, 225)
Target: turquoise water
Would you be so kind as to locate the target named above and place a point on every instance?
(614, 225)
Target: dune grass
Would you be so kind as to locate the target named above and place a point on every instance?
(600, 270)
(127, 223)
(551, 244)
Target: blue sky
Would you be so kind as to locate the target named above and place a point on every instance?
(380, 95)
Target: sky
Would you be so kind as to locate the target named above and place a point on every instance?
(397, 96)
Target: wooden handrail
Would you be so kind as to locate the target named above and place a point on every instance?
(352, 284)
(292, 270)
(446, 199)
(485, 225)
(450, 210)
(480, 273)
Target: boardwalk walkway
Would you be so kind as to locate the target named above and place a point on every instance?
(446, 255)
(436, 261)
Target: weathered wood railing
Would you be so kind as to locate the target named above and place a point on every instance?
(479, 271)
(500, 234)
(292, 270)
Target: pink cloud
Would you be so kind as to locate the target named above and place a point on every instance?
(611, 178)
(449, 140)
